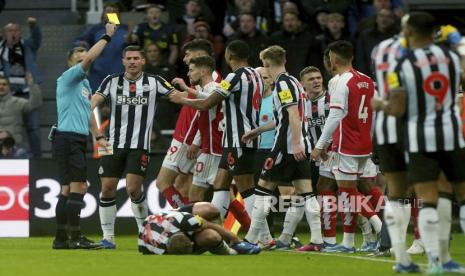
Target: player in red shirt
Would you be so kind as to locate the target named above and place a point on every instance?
(349, 123)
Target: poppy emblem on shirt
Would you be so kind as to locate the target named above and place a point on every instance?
(132, 88)
(265, 118)
(314, 108)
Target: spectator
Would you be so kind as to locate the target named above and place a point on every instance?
(202, 30)
(321, 20)
(12, 108)
(334, 31)
(157, 32)
(156, 65)
(369, 21)
(297, 42)
(17, 56)
(109, 62)
(386, 26)
(249, 33)
(231, 22)
(193, 9)
(8, 148)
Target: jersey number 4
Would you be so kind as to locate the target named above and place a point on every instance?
(363, 110)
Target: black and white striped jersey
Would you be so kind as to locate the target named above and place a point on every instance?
(133, 104)
(158, 228)
(384, 56)
(317, 112)
(288, 91)
(431, 77)
(242, 90)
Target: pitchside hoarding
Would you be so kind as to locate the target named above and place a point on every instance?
(29, 192)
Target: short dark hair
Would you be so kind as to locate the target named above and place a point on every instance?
(238, 49)
(75, 50)
(422, 23)
(199, 44)
(309, 69)
(204, 61)
(343, 49)
(133, 48)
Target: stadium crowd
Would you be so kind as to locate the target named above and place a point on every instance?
(326, 102)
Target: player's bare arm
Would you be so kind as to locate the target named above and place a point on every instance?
(97, 99)
(179, 83)
(254, 133)
(229, 237)
(296, 130)
(199, 104)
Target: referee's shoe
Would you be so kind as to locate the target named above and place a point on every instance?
(80, 243)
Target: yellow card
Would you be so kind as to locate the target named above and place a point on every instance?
(113, 18)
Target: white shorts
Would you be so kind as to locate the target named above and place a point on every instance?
(205, 170)
(349, 167)
(370, 170)
(176, 159)
(325, 167)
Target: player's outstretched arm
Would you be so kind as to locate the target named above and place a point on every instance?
(199, 104)
(97, 49)
(254, 133)
(395, 105)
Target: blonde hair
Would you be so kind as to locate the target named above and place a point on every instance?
(275, 54)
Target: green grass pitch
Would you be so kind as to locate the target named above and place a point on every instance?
(34, 256)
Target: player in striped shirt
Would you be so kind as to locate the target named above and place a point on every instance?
(288, 160)
(423, 88)
(242, 91)
(132, 96)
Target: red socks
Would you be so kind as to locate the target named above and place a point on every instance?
(328, 213)
(175, 198)
(350, 215)
(239, 212)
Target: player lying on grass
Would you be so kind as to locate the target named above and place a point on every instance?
(190, 230)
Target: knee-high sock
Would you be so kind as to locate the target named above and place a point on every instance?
(328, 216)
(107, 212)
(367, 231)
(428, 223)
(239, 212)
(293, 216)
(73, 210)
(414, 216)
(394, 218)
(349, 215)
(261, 208)
(221, 201)
(313, 215)
(368, 211)
(140, 210)
(174, 197)
(61, 218)
(445, 219)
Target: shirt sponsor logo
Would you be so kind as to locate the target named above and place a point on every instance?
(127, 100)
(319, 121)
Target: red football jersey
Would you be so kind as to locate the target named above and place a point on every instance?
(353, 94)
(186, 125)
(210, 124)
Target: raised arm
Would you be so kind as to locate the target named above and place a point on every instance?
(97, 49)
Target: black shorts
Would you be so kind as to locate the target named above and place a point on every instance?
(69, 151)
(426, 166)
(391, 158)
(134, 161)
(315, 171)
(282, 167)
(238, 161)
(260, 157)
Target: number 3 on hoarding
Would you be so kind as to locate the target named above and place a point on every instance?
(363, 110)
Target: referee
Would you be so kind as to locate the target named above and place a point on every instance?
(69, 143)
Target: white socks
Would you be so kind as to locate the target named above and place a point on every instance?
(107, 213)
(249, 204)
(367, 231)
(348, 240)
(221, 200)
(428, 223)
(462, 218)
(376, 223)
(395, 219)
(260, 211)
(294, 215)
(445, 218)
(313, 215)
(140, 210)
